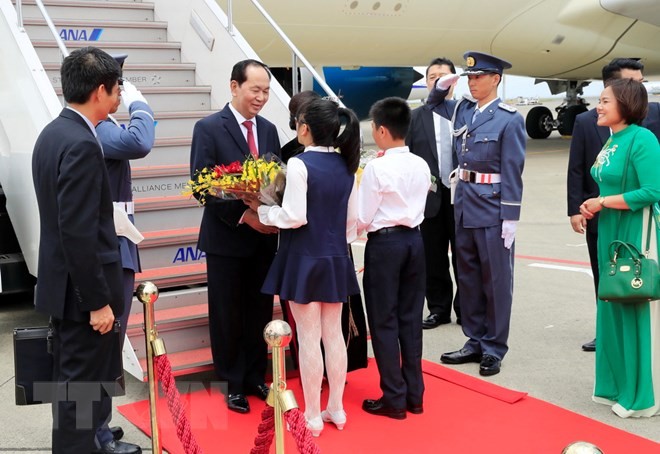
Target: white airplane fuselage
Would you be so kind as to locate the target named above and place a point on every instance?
(545, 39)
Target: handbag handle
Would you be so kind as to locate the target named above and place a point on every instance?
(617, 245)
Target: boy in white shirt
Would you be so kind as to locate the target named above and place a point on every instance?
(391, 201)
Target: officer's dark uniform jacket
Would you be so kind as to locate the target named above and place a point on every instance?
(493, 145)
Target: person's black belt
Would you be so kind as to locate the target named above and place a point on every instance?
(386, 230)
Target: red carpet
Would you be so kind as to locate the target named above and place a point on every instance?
(462, 414)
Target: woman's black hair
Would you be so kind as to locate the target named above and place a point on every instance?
(323, 117)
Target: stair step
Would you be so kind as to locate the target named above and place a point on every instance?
(168, 151)
(186, 362)
(64, 9)
(144, 52)
(175, 123)
(98, 31)
(171, 315)
(143, 75)
(174, 276)
(169, 298)
(170, 253)
(171, 98)
(160, 181)
(177, 215)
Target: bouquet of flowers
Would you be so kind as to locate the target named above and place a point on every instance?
(253, 178)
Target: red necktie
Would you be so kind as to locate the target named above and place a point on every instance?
(250, 139)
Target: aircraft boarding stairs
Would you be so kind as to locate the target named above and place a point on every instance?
(183, 81)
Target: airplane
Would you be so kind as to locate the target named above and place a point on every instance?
(564, 43)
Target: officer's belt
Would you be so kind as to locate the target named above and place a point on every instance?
(126, 207)
(477, 177)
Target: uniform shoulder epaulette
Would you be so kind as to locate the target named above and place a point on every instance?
(507, 107)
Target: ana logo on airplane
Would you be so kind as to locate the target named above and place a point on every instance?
(188, 254)
(72, 34)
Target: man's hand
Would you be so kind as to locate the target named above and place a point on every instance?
(251, 218)
(130, 94)
(251, 200)
(446, 81)
(579, 223)
(509, 232)
(102, 319)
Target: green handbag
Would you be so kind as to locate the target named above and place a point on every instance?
(631, 277)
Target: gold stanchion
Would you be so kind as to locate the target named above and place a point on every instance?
(147, 293)
(278, 335)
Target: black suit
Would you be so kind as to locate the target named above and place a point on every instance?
(587, 141)
(79, 270)
(237, 257)
(438, 229)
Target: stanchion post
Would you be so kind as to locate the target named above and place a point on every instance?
(147, 293)
(278, 335)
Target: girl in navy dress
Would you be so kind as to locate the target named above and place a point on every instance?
(312, 268)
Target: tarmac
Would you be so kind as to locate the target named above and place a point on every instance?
(553, 315)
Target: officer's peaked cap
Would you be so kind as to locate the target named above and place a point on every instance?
(479, 63)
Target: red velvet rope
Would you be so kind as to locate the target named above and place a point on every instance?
(183, 430)
(265, 433)
(297, 426)
(301, 434)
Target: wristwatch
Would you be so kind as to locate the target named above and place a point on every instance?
(602, 202)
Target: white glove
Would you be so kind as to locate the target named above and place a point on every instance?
(130, 94)
(124, 226)
(446, 81)
(509, 232)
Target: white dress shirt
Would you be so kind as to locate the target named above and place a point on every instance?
(393, 191)
(240, 119)
(293, 212)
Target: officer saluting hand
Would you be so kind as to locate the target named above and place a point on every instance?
(489, 141)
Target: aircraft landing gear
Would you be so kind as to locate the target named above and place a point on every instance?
(566, 118)
(540, 123)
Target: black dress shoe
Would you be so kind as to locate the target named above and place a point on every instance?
(118, 447)
(461, 356)
(490, 365)
(238, 403)
(434, 320)
(377, 407)
(415, 409)
(589, 346)
(261, 391)
(117, 433)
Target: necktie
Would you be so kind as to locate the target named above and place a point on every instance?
(475, 115)
(446, 152)
(250, 139)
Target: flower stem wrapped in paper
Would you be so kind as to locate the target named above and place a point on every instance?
(236, 180)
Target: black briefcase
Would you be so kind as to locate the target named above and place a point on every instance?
(33, 366)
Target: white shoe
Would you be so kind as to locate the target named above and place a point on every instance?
(338, 418)
(315, 426)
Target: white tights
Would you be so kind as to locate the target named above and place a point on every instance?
(316, 321)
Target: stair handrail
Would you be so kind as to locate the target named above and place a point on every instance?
(49, 22)
(296, 54)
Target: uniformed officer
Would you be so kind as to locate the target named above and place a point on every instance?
(121, 144)
(489, 140)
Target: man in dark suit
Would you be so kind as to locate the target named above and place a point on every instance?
(80, 278)
(430, 138)
(587, 141)
(120, 145)
(239, 249)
